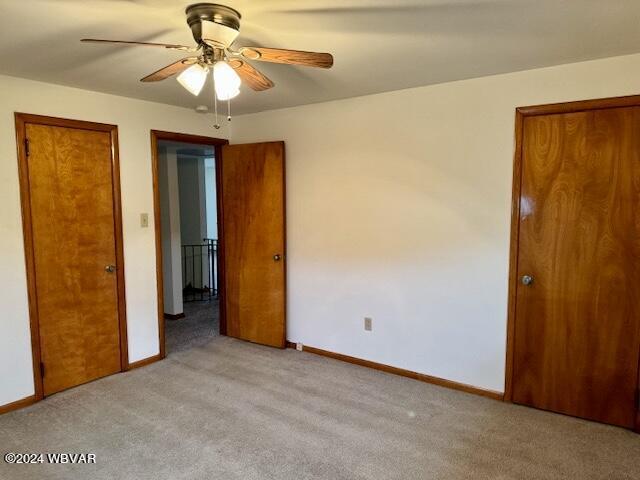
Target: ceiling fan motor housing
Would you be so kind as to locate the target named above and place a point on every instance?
(213, 24)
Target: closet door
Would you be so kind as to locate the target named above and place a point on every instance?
(577, 315)
(72, 228)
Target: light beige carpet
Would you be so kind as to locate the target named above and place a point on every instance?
(233, 410)
(198, 327)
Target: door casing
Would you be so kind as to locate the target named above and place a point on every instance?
(216, 143)
(21, 120)
(521, 114)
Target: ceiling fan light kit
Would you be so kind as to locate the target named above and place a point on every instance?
(226, 81)
(215, 28)
(193, 78)
(216, 25)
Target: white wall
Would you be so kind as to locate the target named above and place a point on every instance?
(193, 215)
(399, 209)
(134, 119)
(210, 197)
(193, 220)
(170, 222)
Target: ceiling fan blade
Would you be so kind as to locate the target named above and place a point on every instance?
(143, 44)
(170, 70)
(252, 77)
(291, 57)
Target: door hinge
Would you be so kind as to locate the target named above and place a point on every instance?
(26, 147)
(41, 369)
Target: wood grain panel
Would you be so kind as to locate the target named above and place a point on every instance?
(169, 46)
(73, 223)
(290, 57)
(170, 70)
(577, 328)
(513, 256)
(252, 190)
(249, 75)
(580, 105)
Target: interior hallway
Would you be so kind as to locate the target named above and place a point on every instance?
(201, 323)
(234, 410)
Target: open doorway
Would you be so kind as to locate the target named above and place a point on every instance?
(187, 235)
(248, 282)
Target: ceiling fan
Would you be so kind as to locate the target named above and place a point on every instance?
(215, 27)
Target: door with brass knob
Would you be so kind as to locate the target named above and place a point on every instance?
(576, 323)
(253, 241)
(70, 180)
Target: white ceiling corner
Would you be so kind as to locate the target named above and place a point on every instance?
(378, 45)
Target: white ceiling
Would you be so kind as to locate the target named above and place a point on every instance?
(379, 45)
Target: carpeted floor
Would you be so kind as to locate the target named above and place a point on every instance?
(233, 410)
(197, 328)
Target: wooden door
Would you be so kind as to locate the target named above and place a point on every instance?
(577, 321)
(73, 235)
(253, 241)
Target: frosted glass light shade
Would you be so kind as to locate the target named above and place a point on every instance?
(226, 80)
(193, 79)
(228, 95)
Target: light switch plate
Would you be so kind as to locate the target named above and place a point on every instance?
(368, 324)
(144, 220)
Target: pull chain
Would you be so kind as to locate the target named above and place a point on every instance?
(216, 125)
(228, 110)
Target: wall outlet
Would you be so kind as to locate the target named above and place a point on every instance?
(299, 347)
(368, 324)
(144, 220)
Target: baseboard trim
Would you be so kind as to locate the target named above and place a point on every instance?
(441, 382)
(144, 362)
(30, 400)
(173, 316)
(23, 402)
